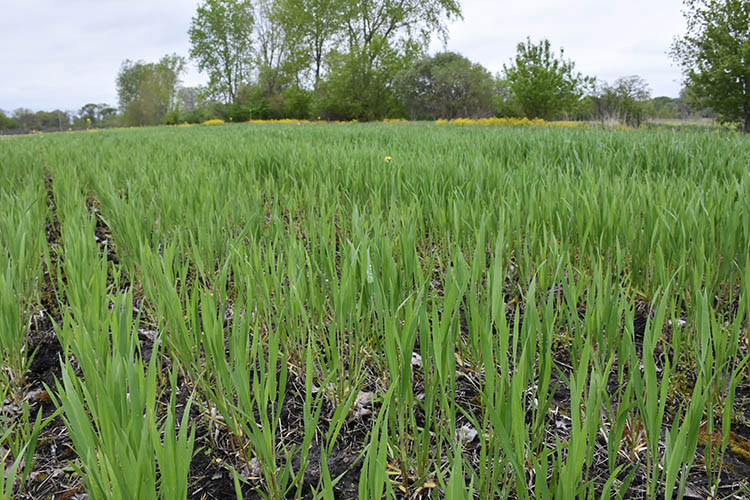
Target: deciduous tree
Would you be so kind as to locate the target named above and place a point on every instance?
(446, 85)
(715, 56)
(280, 56)
(315, 25)
(221, 44)
(26, 119)
(381, 38)
(146, 91)
(7, 123)
(96, 112)
(544, 84)
(624, 101)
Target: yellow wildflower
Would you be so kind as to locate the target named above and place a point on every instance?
(388, 159)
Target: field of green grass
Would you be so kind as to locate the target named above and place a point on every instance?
(375, 310)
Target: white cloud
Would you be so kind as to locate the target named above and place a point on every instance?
(604, 39)
(65, 54)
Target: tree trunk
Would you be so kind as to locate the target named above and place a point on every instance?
(318, 63)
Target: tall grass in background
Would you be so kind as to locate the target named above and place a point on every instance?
(588, 286)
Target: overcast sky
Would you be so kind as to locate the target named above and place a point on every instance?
(64, 54)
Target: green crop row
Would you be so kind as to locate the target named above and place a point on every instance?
(472, 312)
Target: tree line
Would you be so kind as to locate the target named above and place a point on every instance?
(91, 114)
(367, 60)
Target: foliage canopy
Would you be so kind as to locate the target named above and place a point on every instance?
(221, 45)
(446, 85)
(543, 83)
(624, 101)
(715, 56)
(146, 91)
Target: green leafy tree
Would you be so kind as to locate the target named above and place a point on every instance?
(95, 113)
(633, 93)
(221, 44)
(625, 101)
(504, 102)
(90, 111)
(543, 84)
(715, 57)
(40, 120)
(694, 106)
(665, 107)
(188, 99)
(107, 113)
(446, 85)
(147, 91)
(380, 39)
(7, 123)
(191, 107)
(27, 119)
(314, 26)
(280, 55)
(52, 120)
(357, 89)
(297, 102)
